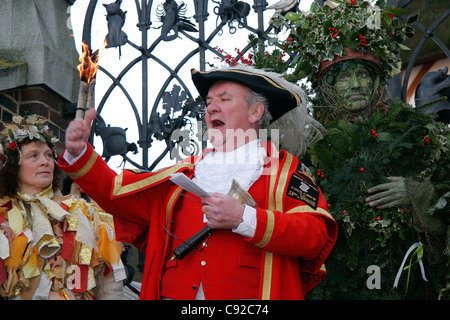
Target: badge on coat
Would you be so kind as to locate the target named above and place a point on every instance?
(304, 189)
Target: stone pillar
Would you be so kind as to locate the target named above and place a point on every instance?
(38, 60)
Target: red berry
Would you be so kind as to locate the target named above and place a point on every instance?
(361, 169)
(378, 218)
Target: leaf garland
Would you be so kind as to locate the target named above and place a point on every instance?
(393, 141)
(324, 32)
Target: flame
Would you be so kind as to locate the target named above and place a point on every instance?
(89, 62)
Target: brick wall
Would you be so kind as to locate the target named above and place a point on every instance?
(35, 100)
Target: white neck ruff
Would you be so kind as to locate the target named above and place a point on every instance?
(216, 171)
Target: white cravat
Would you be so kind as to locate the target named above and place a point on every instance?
(216, 171)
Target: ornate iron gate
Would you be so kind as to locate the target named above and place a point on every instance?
(157, 119)
(176, 107)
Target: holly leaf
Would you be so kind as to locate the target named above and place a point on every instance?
(413, 18)
(384, 136)
(403, 47)
(294, 16)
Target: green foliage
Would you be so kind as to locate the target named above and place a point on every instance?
(324, 32)
(354, 156)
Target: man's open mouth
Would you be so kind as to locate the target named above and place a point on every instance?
(217, 123)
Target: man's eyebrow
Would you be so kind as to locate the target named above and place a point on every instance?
(220, 94)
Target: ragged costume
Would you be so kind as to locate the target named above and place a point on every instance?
(63, 248)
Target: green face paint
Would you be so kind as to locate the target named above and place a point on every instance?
(354, 85)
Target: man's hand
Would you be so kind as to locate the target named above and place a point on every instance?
(222, 211)
(78, 132)
(391, 194)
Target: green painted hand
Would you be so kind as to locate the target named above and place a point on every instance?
(388, 195)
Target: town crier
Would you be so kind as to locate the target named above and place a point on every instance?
(273, 249)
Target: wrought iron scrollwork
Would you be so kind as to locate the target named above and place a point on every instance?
(179, 109)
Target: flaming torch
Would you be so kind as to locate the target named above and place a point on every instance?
(88, 69)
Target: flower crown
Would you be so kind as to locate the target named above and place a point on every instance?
(31, 127)
(324, 33)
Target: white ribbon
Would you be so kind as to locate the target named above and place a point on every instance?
(400, 270)
(4, 246)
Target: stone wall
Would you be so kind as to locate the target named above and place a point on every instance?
(38, 61)
(36, 46)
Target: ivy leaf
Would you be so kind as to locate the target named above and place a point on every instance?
(41, 138)
(11, 134)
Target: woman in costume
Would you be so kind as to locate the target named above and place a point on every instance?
(52, 246)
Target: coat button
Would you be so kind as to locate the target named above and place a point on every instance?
(194, 287)
(203, 263)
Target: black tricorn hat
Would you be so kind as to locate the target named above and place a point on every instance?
(280, 93)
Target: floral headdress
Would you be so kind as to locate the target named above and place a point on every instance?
(325, 33)
(33, 127)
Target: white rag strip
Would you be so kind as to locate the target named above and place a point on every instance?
(400, 270)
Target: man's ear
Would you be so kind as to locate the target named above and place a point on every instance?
(256, 112)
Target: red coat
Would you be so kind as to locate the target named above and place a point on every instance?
(294, 234)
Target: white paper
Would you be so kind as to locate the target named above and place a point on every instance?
(187, 184)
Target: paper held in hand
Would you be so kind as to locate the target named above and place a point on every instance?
(236, 191)
(188, 185)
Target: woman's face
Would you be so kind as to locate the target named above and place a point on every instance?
(36, 168)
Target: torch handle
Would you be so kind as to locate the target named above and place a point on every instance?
(85, 98)
(181, 251)
(82, 97)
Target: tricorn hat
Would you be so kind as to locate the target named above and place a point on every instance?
(288, 106)
(282, 95)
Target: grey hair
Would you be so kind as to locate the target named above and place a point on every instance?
(255, 97)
